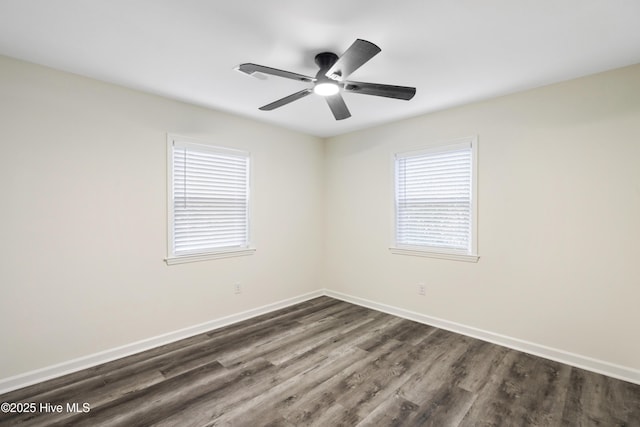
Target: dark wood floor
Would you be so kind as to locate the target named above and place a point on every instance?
(329, 363)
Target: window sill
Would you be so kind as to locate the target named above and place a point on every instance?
(432, 254)
(205, 257)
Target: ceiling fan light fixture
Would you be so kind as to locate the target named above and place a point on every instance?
(326, 89)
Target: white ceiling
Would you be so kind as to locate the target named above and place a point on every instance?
(453, 51)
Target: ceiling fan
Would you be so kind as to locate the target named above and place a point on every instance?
(330, 81)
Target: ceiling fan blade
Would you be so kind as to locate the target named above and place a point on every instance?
(358, 53)
(388, 91)
(253, 68)
(338, 107)
(286, 100)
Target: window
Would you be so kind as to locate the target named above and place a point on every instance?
(208, 201)
(435, 201)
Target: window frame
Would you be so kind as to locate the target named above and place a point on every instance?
(432, 251)
(172, 258)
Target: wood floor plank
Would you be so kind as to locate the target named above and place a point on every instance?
(413, 332)
(333, 340)
(529, 391)
(201, 412)
(340, 388)
(447, 406)
(437, 357)
(284, 394)
(326, 362)
(384, 378)
(478, 363)
(394, 411)
(594, 399)
(96, 392)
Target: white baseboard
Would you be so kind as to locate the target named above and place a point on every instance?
(599, 366)
(612, 370)
(49, 372)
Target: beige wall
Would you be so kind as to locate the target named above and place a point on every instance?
(559, 218)
(83, 218)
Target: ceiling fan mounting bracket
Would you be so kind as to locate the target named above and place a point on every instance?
(325, 60)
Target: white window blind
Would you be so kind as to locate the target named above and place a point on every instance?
(209, 199)
(434, 199)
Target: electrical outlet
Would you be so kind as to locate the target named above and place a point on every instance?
(422, 289)
(237, 289)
